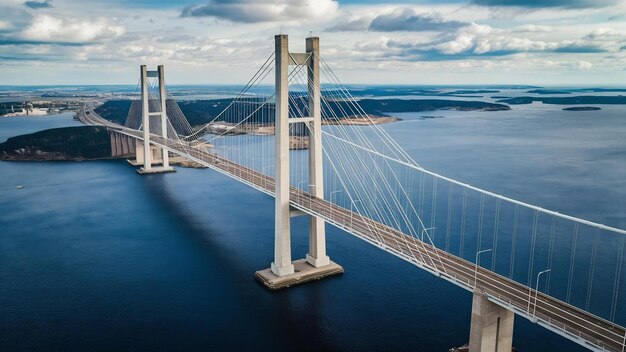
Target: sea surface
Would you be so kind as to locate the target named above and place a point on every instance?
(94, 257)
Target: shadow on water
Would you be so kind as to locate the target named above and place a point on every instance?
(294, 314)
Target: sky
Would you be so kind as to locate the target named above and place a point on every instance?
(429, 42)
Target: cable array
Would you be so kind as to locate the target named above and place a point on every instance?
(367, 172)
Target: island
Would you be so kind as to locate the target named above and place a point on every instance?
(576, 100)
(548, 91)
(71, 144)
(66, 143)
(582, 108)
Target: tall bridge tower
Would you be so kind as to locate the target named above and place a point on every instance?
(283, 271)
(152, 154)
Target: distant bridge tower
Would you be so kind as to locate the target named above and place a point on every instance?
(153, 154)
(316, 264)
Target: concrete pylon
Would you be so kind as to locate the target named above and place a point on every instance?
(163, 97)
(145, 116)
(317, 230)
(492, 326)
(282, 224)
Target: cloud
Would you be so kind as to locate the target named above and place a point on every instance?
(355, 24)
(532, 28)
(483, 42)
(38, 4)
(251, 11)
(13, 19)
(400, 20)
(604, 33)
(409, 20)
(46, 28)
(547, 3)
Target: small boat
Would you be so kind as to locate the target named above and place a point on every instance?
(20, 187)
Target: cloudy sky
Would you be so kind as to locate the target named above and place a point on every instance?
(546, 42)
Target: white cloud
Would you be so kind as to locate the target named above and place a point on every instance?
(46, 28)
(532, 28)
(4, 25)
(460, 44)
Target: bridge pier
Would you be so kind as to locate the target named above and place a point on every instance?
(491, 327)
(283, 272)
(121, 145)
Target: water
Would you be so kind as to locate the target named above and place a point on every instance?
(95, 257)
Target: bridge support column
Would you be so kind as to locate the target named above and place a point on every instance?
(145, 117)
(282, 224)
(113, 137)
(163, 97)
(283, 272)
(317, 228)
(492, 326)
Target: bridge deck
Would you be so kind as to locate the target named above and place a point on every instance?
(565, 319)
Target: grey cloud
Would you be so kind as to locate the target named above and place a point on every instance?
(17, 18)
(580, 49)
(617, 17)
(477, 47)
(38, 4)
(547, 3)
(357, 25)
(233, 12)
(409, 20)
(404, 20)
(251, 11)
(9, 41)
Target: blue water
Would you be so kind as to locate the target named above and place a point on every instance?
(95, 257)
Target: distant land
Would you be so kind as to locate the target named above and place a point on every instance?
(586, 100)
(548, 91)
(582, 108)
(199, 112)
(381, 106)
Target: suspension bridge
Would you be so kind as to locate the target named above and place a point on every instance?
(301, 137)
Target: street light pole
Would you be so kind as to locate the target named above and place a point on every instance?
(352, 209)
(301, 190)
(425, 230)
(331, 201)
(476, 264)
(537, 291)
(310, 196)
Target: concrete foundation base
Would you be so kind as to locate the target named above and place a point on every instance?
(134, 162)
(304, 272)
(155, 170)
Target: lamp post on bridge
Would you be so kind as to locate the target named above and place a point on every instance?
(476, 264)
(264, 174)
(310, 197)
(425, 230)
(536, 292)
(352, 209)
(299, 183)
(331, 201)
(252, 168)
